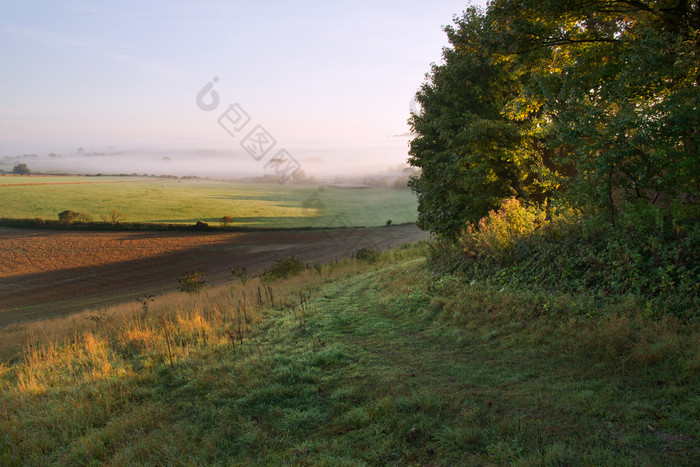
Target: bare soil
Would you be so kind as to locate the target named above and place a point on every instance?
(50, 273)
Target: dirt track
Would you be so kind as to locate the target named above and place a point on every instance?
(36, 283)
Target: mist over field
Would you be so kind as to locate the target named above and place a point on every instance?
(323, 162)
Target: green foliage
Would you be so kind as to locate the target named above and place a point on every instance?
(193, 282)
(21, 169)
(368, 255)
(618, 96)
(495, 235)
(590, 104)
(649, 258)
(284, 268)
(472, 155)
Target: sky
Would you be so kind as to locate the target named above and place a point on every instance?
(330, 80)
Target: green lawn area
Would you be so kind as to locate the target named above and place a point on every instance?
(188, 201)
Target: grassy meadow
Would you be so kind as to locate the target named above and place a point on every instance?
(186, 201)
(353, 363)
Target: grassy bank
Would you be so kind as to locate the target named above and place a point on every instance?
(356, 363)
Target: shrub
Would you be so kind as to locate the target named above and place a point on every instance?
(495, 235)
(283, 268)
(193, 282)
(443, 256)
(367, 255)
(648, 256)
(225, 221)
(239, 273)
(114, 217)
(68, 217)
(201, 226)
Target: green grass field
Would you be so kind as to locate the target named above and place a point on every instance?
(188, 201)
(355, 364)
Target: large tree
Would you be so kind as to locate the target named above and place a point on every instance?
(617, 86)
(591, 102)
(471, 153)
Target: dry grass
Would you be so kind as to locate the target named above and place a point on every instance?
(199, 313)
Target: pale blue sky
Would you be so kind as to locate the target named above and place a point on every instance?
(338, 75)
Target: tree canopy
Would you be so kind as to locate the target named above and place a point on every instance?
(21, 169)
(588, 104)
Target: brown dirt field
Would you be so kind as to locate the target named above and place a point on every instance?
(49, 273)
(29, 252)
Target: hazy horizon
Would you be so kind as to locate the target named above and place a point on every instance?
(225, 163)
(323, 80)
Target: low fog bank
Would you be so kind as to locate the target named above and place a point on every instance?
(364, 166)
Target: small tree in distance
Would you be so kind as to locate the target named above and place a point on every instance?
(114, 217)
(21, 169)
(226, 221)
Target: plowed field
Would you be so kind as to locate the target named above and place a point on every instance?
(47, 273)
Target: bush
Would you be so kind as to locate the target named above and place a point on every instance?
(193, 282)
(69, 217)
(495, 235)
(649, 257)
(21, 169)
(201, 226)
(444, 257)
(284, 268)
(367, 255)
(239, 273)
(114, 217)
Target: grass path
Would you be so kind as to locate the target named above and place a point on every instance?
(370, 371)
(410, 389)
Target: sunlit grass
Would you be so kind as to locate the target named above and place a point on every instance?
(189, 201)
